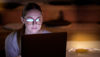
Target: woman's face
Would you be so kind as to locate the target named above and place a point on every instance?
(33, 21)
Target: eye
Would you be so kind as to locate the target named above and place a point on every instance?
(30, 20)
(37, 20)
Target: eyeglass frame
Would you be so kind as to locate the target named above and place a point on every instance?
(33, 22)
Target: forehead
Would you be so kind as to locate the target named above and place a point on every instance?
(33, 13)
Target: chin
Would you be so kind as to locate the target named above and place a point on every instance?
(34, 31)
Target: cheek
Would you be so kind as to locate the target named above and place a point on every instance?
(28, 26)
(31, 26)
(39, 26)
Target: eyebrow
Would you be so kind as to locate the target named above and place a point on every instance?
(33, 18)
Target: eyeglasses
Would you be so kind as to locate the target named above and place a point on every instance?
(31, 21)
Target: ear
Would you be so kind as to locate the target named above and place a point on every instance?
(22, 20)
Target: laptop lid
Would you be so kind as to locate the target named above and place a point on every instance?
(44, 45)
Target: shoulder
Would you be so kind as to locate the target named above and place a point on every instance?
(11, 46)
(11, 41)
(12, 34)
(11, 37)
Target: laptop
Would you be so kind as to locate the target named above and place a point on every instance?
(44, 45)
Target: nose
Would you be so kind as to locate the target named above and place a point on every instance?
(34, 26)
(33, 23)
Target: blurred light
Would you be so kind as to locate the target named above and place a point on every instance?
(84, 37)
(83, 40)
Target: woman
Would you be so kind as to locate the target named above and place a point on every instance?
(32, 20)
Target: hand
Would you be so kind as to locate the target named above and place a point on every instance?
(19, 56)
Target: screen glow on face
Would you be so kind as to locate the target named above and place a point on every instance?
(29, 20)
(37, 20)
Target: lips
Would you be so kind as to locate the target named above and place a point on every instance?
(34, 28)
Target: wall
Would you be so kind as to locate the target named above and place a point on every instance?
(72, 13)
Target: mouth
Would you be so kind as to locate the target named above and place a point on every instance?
(34, 28)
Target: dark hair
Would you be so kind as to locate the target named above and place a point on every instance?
(30, 6)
